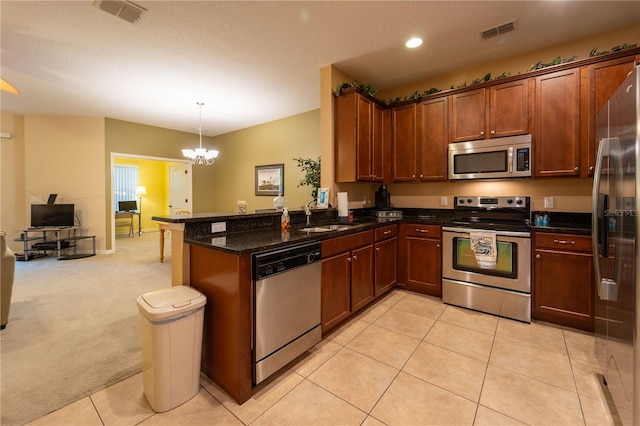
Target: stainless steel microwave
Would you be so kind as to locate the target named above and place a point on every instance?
(508, 157)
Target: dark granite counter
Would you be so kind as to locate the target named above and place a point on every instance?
(564, 223)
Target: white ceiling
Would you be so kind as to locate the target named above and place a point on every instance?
(252, 62)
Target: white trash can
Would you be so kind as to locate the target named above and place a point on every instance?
(171, 323)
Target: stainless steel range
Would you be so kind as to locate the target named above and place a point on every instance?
(486, 258)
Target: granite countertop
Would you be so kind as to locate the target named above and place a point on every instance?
(273, 238)
(564, 223)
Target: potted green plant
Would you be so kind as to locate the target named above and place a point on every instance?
(311, 170)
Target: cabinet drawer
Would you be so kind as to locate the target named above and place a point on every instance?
(386, 232)
(346, 243)
(563, 241)
(426, 231)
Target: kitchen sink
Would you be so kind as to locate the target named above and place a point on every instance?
(327, 228)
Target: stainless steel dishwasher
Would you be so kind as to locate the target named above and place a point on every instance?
(286, 306)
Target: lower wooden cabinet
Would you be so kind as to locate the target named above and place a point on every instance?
(385, 259)
(421, 249)
(347, 277)
(563, 280)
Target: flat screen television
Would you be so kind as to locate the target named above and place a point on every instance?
(45, 215)
(127, 206)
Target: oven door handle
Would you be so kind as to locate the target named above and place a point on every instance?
(498, 233)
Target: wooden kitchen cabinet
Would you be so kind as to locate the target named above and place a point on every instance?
(563, 280)
(602, 80)
(557, 129)
(347, 277)
(421, 250)
(386, 259)
(360, 128)
(432, 139)
(467, 116)
(404, 143)
(498, 111)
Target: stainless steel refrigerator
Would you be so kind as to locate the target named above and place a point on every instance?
(615, 250)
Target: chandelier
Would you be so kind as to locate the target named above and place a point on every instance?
(200, 155)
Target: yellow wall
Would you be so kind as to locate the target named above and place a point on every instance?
(276, 142)
(154, 176)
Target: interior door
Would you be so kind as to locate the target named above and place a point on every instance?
(180, 182)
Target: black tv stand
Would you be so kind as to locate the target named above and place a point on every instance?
(62, 240)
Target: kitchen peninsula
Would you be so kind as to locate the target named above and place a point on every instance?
(219, 266)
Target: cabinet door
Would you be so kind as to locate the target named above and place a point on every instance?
(336, 275)
(378, 143)
(364, 152)
(557, 129)
(433, 128)
(424, 265)
(385, 265)
(604, 80)
(467, 116)
(563, 288)
(361, 277)
(509, 109)
(403, 120)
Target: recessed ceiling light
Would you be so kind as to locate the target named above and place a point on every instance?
(413, 43)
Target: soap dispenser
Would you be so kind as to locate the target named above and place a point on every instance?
(285, 218)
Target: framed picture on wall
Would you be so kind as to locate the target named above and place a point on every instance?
(270, 179)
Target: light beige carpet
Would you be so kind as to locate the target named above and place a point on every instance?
(73, 326)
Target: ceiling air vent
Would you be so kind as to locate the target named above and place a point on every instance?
(126, 10)
(500, 29)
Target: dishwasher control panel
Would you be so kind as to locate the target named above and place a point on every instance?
(273, 262)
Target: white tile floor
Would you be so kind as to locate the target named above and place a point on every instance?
(407, 360)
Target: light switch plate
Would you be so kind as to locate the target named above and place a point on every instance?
(218, 227)
(548, 202)
(443, 201)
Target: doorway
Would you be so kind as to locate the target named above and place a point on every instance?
(168, 187)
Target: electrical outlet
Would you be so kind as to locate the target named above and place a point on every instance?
(219, 242)
(443, 201)
(548, 202)
(218, 227)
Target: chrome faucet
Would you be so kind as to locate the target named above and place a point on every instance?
(307, 211)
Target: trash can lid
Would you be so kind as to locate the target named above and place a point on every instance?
(170, 302)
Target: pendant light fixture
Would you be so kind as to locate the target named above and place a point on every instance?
(200, 155)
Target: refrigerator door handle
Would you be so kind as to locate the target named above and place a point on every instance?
(595, 198)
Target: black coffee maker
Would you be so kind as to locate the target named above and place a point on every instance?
(383, 198)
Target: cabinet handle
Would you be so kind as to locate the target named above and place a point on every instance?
(377, 248)
(576, 169)
(348, 259)
(537, 256)
(413, 176)
(438, 245)
(386, 232)
(563, 242)
(493, 132)
(590, 168)
(482, 133)
(421, 175)
(354, 257)
(424, 231)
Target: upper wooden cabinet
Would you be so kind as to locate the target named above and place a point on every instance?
(497, 111)
(404, 143)
(432, 137)
(557, 129)
(603, 79)
(467, 116)
(509, 108)
(360, 146)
